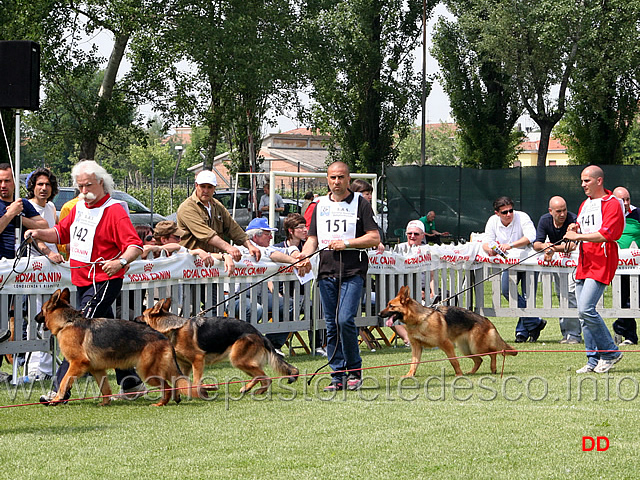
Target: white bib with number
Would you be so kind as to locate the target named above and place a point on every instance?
(590, 218)
(336, 220)
(83, 230)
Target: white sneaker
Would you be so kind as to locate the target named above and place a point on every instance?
(321, 351)
(132, 393)
(627, 342)
(586, 369)
(606, 365)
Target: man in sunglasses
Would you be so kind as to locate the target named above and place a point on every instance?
(505, 230)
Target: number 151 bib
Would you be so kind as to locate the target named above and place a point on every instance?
(336, 220)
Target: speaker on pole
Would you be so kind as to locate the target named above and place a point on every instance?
(20, 75)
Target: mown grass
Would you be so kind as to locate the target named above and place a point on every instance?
(529, 423)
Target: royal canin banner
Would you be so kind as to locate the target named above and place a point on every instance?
(39, 275)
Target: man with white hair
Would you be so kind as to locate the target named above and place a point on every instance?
(102, 242)
(206, 221)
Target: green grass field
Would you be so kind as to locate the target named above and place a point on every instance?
(529, 423)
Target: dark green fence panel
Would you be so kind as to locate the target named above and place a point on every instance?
(463, 198)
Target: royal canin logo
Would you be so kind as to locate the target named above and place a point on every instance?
(148, 267)
(248, 263)
(37, 266)
(635, 253)
(198, 262)
(456, 251)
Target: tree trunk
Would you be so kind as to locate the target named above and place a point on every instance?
(89, 143)
(545, 135)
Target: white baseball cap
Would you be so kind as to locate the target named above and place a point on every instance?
(206, 176)
(415, 224)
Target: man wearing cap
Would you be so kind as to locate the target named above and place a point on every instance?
(260, 235)
(205, 221)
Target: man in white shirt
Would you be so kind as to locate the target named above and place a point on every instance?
(505, 230)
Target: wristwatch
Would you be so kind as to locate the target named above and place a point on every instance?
(123, 261)
(346, 243)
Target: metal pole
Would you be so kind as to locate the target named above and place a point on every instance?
(423, 135)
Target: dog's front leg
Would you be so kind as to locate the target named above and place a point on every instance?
(416, 355)
(105, 389)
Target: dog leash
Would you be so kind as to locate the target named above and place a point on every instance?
(238, 293)
(499, 272)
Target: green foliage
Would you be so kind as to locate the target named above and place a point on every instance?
(484, 102)
(440, 147)
(605, 92)
(536, 43)
(363, 85)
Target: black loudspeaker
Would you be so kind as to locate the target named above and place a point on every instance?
(20, 75)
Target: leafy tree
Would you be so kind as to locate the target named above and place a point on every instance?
(605, 89)
(440, 147)
(363, 85)
(536, 42)
(484, 102)
(243, 60)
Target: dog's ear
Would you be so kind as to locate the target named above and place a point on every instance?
(65, 296)
(157, 307)
(404, 292)
(55, 298)
(166, 304)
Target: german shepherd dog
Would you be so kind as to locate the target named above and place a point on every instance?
(204, 341)
(443, 327)
(95, 344)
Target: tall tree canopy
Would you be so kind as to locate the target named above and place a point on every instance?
(484, 99)
(363, 85)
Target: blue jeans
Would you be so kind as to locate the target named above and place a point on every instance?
(525, 325)
(343, 350)
(596, 334)
(569, 326)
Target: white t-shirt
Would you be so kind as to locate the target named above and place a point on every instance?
(521, 226)
(48, 212)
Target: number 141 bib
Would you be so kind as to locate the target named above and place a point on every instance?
(590, 218)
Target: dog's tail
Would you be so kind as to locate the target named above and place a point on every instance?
(279, 364)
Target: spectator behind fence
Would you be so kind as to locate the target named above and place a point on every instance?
(626, 327)
(42, 186)
(260, 234)
(551, 229)
(10, 214)
(365, 188)
(600, 223)
(308, 198)
(264, 205)
(205, 221)
(505, 230)
(296, 231)
(104, 243)
(430, 232)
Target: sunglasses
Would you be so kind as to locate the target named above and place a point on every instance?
(411, 234)
(506, 212)
(148, 238)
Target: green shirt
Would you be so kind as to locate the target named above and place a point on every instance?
(631, 231)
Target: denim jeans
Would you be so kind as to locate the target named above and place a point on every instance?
(569, 326)
(525, 324)
(343, 350)
(596, 334)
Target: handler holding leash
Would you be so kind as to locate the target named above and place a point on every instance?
(600, 224)
(343, 222)
(102, 242)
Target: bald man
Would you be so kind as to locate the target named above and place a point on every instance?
(551, 229)
(626, 327)
(600, 224)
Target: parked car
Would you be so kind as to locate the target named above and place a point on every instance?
(139, 213)
(242, 214)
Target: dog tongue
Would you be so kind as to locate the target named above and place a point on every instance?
(389, 322)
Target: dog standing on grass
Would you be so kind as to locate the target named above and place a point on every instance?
(204, 341)
(443, 327)
(95, 344)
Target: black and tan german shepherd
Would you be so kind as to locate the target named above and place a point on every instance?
(95, 344)
(443, 327)
(204, 341)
